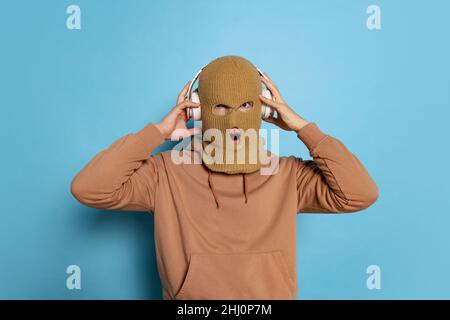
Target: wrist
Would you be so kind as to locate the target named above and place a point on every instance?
(302, 123)
(150, 136)
(311, 135)
(160, 127)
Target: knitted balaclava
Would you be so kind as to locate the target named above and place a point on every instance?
(231, 81)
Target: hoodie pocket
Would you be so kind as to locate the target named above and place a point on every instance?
(213, 276)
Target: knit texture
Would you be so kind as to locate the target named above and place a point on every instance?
(230, 81)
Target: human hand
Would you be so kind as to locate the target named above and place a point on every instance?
(173, 126)
(287, 119)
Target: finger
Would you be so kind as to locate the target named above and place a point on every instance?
(181, 133)
(270, 102)
(182, 95)
(273, 89)
(269, 83)
(195, 131)
(266, 75)
(271, 120)
(181, 118)
(187, 104)
(275, 121)
(181, 109)
(178, 134)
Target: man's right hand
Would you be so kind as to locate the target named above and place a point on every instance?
(173, 126)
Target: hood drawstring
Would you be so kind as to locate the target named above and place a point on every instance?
(245, 186)
(211, 187)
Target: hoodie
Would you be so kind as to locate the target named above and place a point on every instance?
(222, 236)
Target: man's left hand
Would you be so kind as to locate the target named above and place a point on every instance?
(287, 118)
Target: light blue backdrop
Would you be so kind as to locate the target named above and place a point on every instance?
(67, 94)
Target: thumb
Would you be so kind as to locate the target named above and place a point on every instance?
(195, 131)
(181, 133)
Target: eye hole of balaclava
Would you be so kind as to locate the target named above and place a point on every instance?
(223, 110)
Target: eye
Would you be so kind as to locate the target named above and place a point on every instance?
(246, 106)
(221, 109)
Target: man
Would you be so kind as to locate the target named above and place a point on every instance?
(224, 230)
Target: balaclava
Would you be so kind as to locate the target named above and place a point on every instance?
(231, 81)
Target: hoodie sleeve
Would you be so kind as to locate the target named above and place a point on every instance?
(122, 177)
(335, 181)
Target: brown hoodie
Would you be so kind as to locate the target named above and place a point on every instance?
(221, 236)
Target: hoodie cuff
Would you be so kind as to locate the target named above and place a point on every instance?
(311, 135)
(150, 136)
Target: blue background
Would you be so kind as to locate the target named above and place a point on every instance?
(67, 94)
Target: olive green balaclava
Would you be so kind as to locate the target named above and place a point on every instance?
(231, 81)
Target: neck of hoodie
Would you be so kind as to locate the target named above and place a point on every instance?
(214, 193)
(196, 147)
